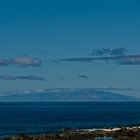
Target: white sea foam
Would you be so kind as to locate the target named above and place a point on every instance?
(109, 129)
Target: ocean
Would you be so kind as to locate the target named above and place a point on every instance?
(39, 118)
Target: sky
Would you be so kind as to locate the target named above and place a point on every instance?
(70, 44)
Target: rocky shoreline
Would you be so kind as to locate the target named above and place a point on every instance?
(126, 133)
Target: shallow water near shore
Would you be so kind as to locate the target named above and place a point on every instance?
(39, 118)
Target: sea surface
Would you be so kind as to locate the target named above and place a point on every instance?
(39, 118)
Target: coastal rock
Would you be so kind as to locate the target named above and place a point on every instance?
(116, 134)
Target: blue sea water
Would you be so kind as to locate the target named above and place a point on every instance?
(38, 118)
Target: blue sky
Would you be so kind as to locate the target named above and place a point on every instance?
(52, 31)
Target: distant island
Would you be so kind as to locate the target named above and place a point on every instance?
(68, 95)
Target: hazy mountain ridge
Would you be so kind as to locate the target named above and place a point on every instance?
(67, 95)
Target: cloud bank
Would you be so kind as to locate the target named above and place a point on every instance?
(21, 62)
(107, 51)
(29, 77)
(100, 52)
(121, 60)
(83, 76)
